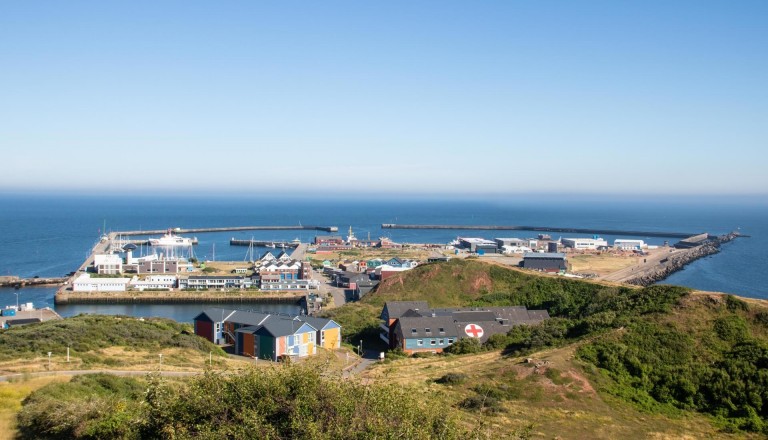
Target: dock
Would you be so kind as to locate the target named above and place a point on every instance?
(29, 282)
(619, 232)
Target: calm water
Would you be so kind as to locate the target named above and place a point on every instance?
(50, 236)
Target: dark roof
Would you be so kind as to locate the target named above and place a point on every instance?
(474, 316)
(277, 326)
(394, 309)
(557, 255)
(274, 324)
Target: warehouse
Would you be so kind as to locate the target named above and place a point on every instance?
(584, 243)
(545, 261)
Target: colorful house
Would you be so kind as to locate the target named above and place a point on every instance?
(276, 337)
(267, 336)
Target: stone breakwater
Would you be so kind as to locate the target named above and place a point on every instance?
(679, 261)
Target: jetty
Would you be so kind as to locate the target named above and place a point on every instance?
(231, 229)
(619, 232)
(14, 281)
(262, 243)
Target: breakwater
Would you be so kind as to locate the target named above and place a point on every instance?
(230, 229)
(662, 234)
(677, 262)
(30, 282)
(261, 243)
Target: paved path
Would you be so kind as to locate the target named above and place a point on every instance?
(81, 372)
(643, 264)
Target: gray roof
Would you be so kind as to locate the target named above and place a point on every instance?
(558, 255)
(493, 320)
(275, 324)
(395, 309)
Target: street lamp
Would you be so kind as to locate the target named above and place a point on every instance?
(17, 299)
(49, 361)
(361, 348)
(161, 360)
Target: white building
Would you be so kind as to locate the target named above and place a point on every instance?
(515, 249)
(584, 243)
(629, 245)
(166, 282)
(84, 283)
(108, 264)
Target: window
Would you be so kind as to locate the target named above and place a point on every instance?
(322, 336)
(413, 331)
(440, 341)
(428, 330)
(450, 340)
(419, 342)
(432, 342)
(442, 330)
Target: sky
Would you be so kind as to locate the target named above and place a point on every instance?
(427, 97)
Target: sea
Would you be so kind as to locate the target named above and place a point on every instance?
(51, 235)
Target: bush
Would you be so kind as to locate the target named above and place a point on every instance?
(465, 346)
(452, 379)
(291, 401)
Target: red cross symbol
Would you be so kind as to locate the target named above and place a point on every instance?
(473, 331)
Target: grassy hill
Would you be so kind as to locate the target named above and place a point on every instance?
(613, 362)
(663, 350)
(102, 341)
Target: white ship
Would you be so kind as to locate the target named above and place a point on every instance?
(170, 240)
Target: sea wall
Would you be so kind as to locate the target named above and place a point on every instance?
(176, 297)
(679, 261)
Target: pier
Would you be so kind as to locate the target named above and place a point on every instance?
(231, 229)
(177, 297)
(618, 232)
(270, 244)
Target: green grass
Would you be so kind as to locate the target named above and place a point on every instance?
(87, 333)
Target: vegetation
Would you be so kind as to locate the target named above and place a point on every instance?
(85, 333)
(283, 402)
(661, 348)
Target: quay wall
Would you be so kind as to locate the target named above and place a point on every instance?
(678, 262)
(176, 297)
(662, 234)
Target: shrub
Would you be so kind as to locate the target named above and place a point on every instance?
(452, 379)
(465, 346)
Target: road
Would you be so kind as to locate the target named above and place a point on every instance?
(644, 264)
(8, 377)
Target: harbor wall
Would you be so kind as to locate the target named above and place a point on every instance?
(176, 297)
(662, 234)
(678, 262)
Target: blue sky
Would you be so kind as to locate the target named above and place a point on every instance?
(424, 97)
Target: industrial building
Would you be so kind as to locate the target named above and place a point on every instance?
(215, 282)
(478, 245)
(584, 243)
(545, 261)
(629, 245)
(501, 242)
(84, 283)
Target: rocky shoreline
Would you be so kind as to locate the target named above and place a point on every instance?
(678, 262)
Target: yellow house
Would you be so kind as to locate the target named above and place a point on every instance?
(328, 332)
